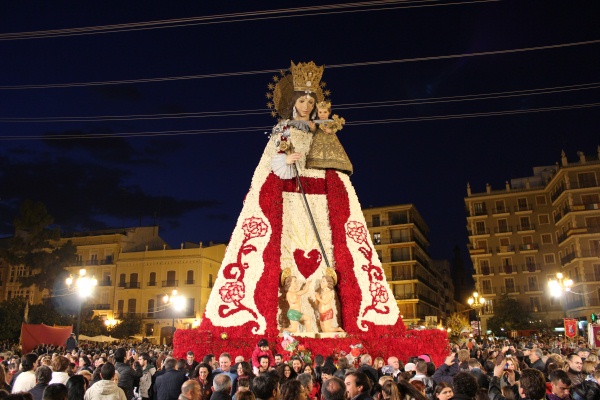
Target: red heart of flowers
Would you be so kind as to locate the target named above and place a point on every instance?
(307, 265)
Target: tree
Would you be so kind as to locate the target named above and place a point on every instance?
(457, 322)
(131, 325)
(508, 315)
(46, 313)
(33, 247)
(11, 314)
(93, 327)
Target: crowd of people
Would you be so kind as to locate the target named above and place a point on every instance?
(494, 370)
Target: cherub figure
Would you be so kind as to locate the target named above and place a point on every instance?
(325, 299)
(293, 297)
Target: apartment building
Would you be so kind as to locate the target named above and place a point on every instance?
(522, 235)
(399, 235)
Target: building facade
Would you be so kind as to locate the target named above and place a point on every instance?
(134, 269)
(422, 291)
(522, 236)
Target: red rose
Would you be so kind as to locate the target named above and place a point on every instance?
(356, 231)
(232, 292)
(254, 227)
(378, 292)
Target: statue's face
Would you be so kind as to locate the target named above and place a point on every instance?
(304, 106)
(294, 284)
(323, 283)
(323, 113)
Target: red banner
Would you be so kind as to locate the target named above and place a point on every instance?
(570, 327)
(34, 334)
(596, 335)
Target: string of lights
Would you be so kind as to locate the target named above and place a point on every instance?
(346, 106)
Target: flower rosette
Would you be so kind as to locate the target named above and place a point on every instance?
(232, 292)
(254, 227)
(378, 292)
(356, 231)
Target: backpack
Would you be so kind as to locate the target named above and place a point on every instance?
(429, 387)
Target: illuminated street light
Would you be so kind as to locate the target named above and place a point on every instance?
(476, 302)
(559, 287)
(83, 286)
(177, 303)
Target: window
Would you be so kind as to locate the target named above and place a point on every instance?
(597, 272)
(504, 244)
(540, 200)
(151, 307)
(171, 278)
(152, 281)
(590, 199)
(546, 238)
(480, 228)
(190, 278)
(592, 222)
(479, 208)
(509, 284)
(481, 244)
(524, 223)
(544, 219)
(79, 258)
(120, 306)
(104, 298)
(503, 226)
(528, 242)
(586, 179)
(530, 262)
(534, 304)
(549, 259)
(500, 207)
(486, 286)
(210, 280)
(376, 220)
(122, 280)
(189, 307)
(377, 238)
(484, 266)
(522, 204)
(133, 279)
(131, 306)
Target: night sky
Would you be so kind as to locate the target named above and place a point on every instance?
(435, 94)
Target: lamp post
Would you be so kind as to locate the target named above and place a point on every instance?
(83, 286)
(559, 286)
(476, 302)
(176, 302)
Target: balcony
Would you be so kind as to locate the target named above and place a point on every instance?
(525, 228)
(578, 231)
(531, 268)
(189, 281)
(505, 249)
(529, 247)
(523, 208)
(500, 210)
(487, 291)
(585, 206)
(485, 271)
(101, 306)
(170, 283)
(503, 229)
(510, 289)
(477, 213)
(507, 269)
(402, 277)
(87, 263)
(105, 282)
(479, 232)
(151, 283)
(560, 188)
(388, 222)
(534, 288)
(129, 285)
(477, 250)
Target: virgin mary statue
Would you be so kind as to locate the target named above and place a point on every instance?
(299, 225)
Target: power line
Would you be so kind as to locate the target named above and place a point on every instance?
(346, 106)
(383, 5)
(275, 71)
(268, 128)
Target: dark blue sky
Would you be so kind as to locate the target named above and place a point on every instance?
(195, 183)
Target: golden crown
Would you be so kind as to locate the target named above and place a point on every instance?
(307, 76)
(303, 77)
(324, 104)
(336, 125)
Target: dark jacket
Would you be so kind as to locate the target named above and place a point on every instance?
(220, 396)
(445, 373)
(168, 385)
(539, 365)
(482, 379)
(38, 391)
(362, 396)
(126, 377)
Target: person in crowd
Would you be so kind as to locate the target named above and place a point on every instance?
(263, 364)
(127, 374)
(190, 363)
(443, 391)
(278, 359)
(60, 365)
(57, 391)
(148, 371)
(366, 366)
(106, 388)
(464, 385)
(559, 386)
(333, 389)
(76, 387)
(222, 387)
(512, 374)
(286, 373)
(535, 357)
(389, 390)
(483, 381)
(84, 363)
(532, 385)
(293, 390)
(225, 367)
(262, 349)
(190, 390)
(447, 370)
(327, 372)
(243, 384)
(396, 367)
(168, 384)
(43, 375)
(574, 369)
(358, 386)
(26, 379)
(247, 395)
(202, 374)
(296, 366)
(266, 387)
(306, 380)
(71, 343)
(4, 379)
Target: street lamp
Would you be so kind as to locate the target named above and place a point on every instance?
(177, 303)
(476, 303)
(559, 286)
(83, 286)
